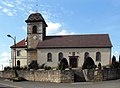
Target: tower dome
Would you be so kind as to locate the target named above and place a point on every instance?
(35, 17)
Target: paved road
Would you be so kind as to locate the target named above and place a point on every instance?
(29, 84)
(5, 86)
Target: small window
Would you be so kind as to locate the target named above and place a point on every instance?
(49, 57)
(18, 52)
(86, 55)
(98, 56)
(34, 30)
(60, 56)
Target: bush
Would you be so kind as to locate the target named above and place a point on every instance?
(17, 68)
(47, 68)
(7, 68)
(14, 68)
(99, 66)
(115, 64)
(88, 63)
(113, 59)
(24, 68)
(41, 66)
(33, 65)
(63, 64)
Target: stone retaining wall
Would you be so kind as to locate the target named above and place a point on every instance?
(109, 74)
(57, 76)
(65, 76)
(7, 74)
(100, 75)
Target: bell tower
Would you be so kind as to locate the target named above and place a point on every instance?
(36, 32)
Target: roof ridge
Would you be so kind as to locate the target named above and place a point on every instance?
(74, 35)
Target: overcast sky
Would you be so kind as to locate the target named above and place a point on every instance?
(63, 17)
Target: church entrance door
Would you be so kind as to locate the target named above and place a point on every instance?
(73, 61)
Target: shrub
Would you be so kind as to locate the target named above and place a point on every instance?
(41, 66)
(113, 59)
(47, 68)
(33, 65)
(88, 63)
(7, 68)
(63, 64)
(17, 68)
(99, 65)
(115, 64)
(24, 68)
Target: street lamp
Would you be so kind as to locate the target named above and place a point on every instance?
(14, 39)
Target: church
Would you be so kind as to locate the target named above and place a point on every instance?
(52, 49)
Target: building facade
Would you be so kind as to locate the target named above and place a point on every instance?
(21, 54)
(52, 49)
(74, 56)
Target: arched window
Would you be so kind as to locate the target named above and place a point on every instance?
(86, 55)
(34, 29)
(98, 56)
(60, 56)
(49, 57)
(18, 63)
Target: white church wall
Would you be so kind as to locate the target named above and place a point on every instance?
(22, 58)
(105, 55)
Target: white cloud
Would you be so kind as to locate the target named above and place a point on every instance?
(53, 27)
(5, 54)
(18, 1)
(8, 12)
(31, 12)
(8, 4)
(5, 10)
(12, 8)
(116, 54)
(24, 28)
(20, 8)
(4, 59)
(3, 45)
(64, 32)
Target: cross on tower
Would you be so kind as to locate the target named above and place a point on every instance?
(36, 8)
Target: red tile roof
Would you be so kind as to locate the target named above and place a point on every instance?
(75, 41)
(21, 44)
(72, 41)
